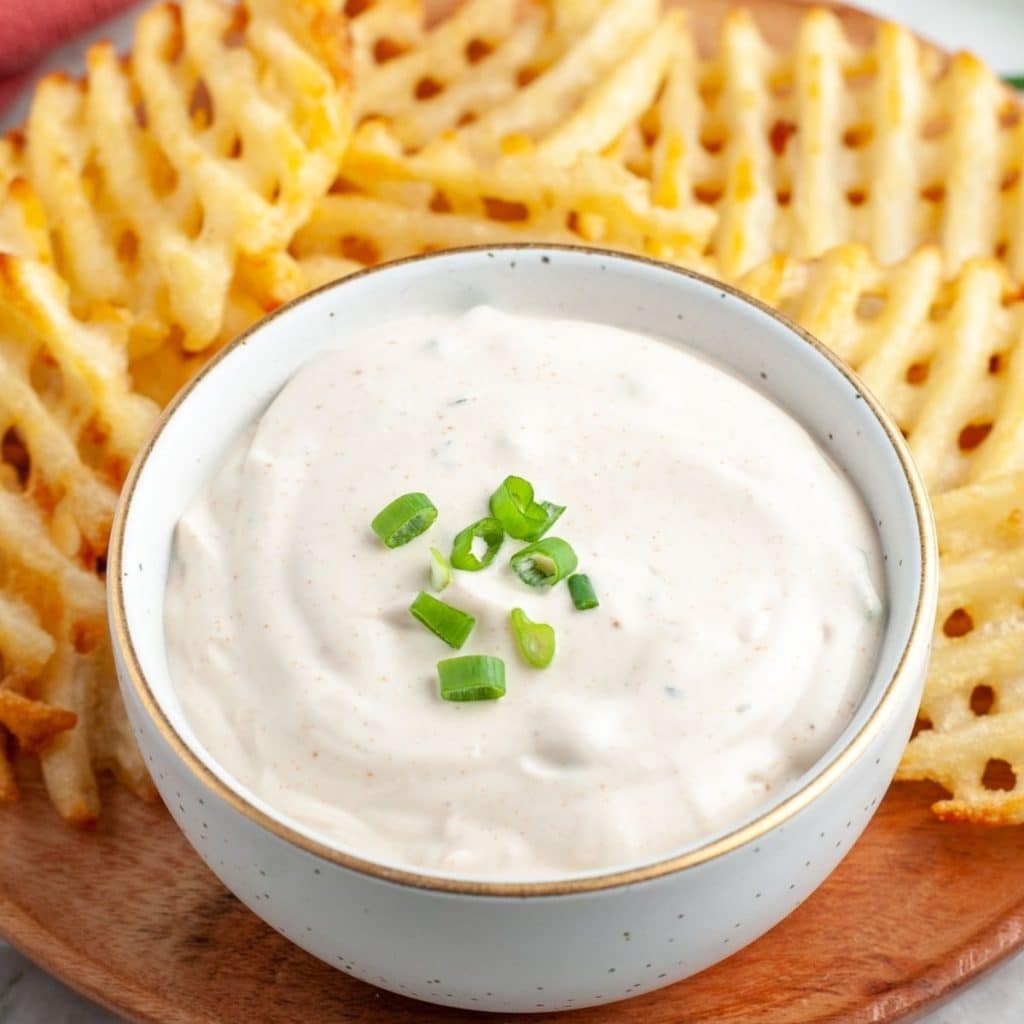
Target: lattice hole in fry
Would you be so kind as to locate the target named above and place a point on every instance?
(973, 435)
(16, 459)
(921, 724)
(386, 48)
(917, 373)
(958, 624)
(983, 699)
(200, 106)
(714, 140)
(780, 134)
(524, 76)
(477, 49)
(427, 88)
(505, 210)
(360, 250)
(999, 775)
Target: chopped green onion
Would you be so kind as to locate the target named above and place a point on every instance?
(551, 514)
(513, 506)
(544, 563)
(404, 519)
(471, 677)
(1015, 81)
(440, 570)
(582, 592)
(452, 625)
(535, 640)
(490, 531)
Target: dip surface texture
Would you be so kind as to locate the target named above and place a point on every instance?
(737, 571)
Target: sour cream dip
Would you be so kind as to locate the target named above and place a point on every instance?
(738, 573)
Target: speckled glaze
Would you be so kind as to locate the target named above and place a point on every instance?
(546, 945)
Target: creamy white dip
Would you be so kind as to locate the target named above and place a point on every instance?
(737, 571)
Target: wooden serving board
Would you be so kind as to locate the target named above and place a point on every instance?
(132, 918)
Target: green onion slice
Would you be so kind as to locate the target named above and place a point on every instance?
(582, 592)
(544, 563)
(404, 519)
(471, 677)
(513, 506)
(440, 570)
(535, 640)
(490, 531)
(452, 625)
(1015, 81)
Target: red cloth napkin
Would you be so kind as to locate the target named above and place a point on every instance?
(29, 29)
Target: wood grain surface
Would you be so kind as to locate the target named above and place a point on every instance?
(131, 917)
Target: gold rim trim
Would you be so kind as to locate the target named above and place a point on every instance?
(920, 629)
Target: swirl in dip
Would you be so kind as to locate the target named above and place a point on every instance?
(736, 566)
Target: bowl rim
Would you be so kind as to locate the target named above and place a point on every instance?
(920, 629)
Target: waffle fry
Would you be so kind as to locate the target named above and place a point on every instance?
(144, 211)
(891, 145)
(796, 152)
(973, 707)
(164, 174)
(594, 199)
(70, 424)
(493, 69)
(941, 354)
(352, 231)
(420, 85)
(946, 357)
(502, 160)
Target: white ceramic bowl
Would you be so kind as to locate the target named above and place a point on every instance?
(547, 945)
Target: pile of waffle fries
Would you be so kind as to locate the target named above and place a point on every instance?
(241, 154)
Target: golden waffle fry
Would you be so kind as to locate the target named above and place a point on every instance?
(973, 708)
(409, 84)
(796, 150)
(493, 69)
(891, 145)
(161, 174)
(352, 231)
(619, 99)
(535, 159)
(382, 30)
(146, 210)
(942, 355)
(593, 198)
(546, 101)
(69, 424)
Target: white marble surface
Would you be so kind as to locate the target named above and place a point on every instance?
(992, 28)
